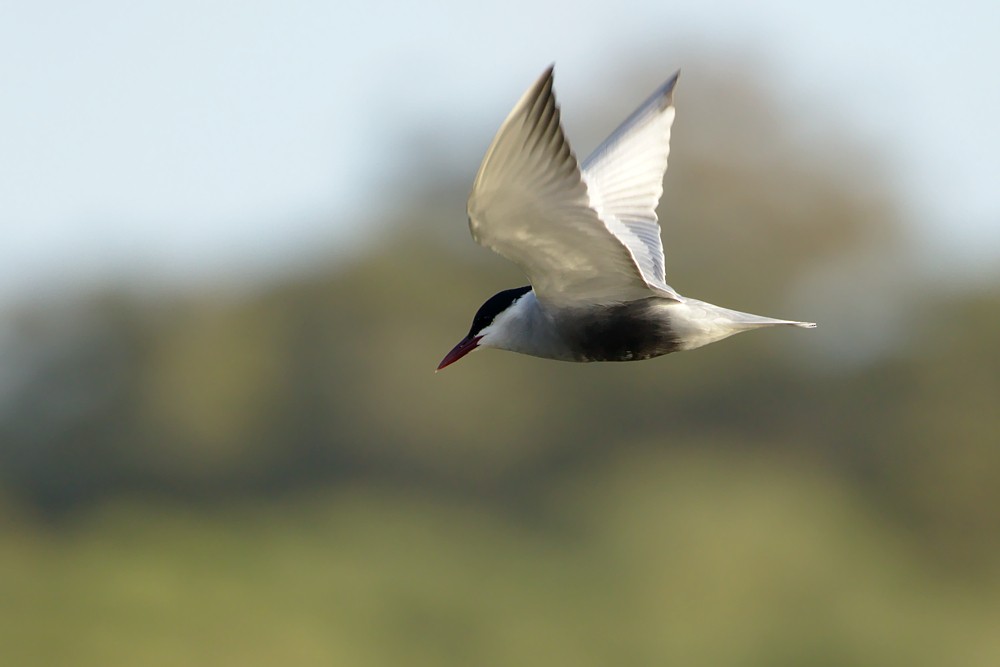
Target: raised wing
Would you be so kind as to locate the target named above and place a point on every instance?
(624, 177)
(530, 204)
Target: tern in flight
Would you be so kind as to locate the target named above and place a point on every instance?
(588, 239)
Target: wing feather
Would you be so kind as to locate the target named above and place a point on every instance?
(624, 177)
(530, 203)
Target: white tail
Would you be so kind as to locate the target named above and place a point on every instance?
(758, 321)
(699, 323)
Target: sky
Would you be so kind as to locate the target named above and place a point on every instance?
(178, 140)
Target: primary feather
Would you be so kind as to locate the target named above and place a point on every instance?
(624, 177)
(532, 204)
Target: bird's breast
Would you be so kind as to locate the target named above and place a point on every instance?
(619, 332)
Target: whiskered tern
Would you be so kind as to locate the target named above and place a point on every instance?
(587, 236)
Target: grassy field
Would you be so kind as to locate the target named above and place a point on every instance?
(654, 559)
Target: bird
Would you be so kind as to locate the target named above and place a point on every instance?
(587, 236)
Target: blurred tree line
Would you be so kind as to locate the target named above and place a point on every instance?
(325, 380)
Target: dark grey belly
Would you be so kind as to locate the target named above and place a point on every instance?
(621, 332)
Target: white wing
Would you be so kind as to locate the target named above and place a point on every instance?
(624, 177)
(530, 204)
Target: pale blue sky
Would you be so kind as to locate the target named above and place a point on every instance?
(183, 138)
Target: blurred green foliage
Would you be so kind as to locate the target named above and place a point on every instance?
(701, 557)
(278, 475)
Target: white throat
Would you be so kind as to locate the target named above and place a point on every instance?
(526, 328)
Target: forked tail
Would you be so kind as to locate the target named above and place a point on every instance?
(748, 321)
(744, 321)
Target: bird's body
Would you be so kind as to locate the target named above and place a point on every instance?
(588, 238)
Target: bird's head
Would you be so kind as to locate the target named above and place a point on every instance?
(488, 326)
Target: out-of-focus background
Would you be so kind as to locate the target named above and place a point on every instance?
(233, 248)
